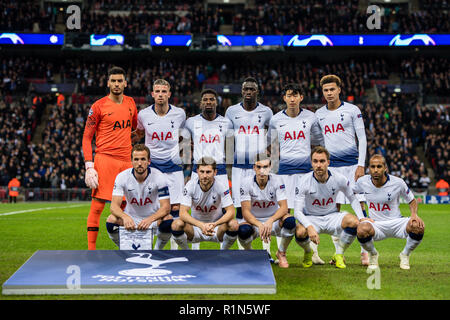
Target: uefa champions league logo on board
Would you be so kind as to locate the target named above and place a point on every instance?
(152, 271)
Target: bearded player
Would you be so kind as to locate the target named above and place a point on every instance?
(111, 120)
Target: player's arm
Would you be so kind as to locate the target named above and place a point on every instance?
(299, 205)
(316, 134)
(354, 202)
(163, 211)
(128, 222)
(229, 214)
(137, 135)
(266, 230)
(248, 216)
(414, 216)
(91, 176)
(187, 218)
(362, 143)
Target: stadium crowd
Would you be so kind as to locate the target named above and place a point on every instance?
(395, 126)
(265, 17)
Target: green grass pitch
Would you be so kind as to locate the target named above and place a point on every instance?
(27, 227)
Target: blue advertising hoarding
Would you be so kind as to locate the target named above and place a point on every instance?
(32, 38)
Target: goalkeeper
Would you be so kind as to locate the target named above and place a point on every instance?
(111, 119)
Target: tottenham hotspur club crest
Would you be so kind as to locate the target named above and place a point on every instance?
(389, 196)
(342, 117)
(304, 124)
(172, 122)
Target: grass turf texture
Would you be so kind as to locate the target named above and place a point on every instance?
(62, 226)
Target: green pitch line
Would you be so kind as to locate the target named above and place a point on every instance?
(64, 228)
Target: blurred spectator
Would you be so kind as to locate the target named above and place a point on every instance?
(13, 188)
(442, 187)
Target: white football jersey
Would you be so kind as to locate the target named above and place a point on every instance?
(209, 138)
(295, 136)
(264, 203)
(161, 136)
(206, 206)
(338, 129)
(142, 198)
(250, 135)
(383, 202)
(320, 198)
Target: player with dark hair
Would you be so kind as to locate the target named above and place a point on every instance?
(111, 120)
(206, 197)
(250, 121)
(293, 131)
(344, 136)
(147, 196)
(265, 210)
(383, 192)
(315, 208)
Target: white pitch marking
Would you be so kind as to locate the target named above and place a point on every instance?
(40, 209)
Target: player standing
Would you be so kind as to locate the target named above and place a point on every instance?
(344, 134)
(111, 119)
(265, 209)
(383, 192)
(250, 121)
(161, 124)
(209, 131)
(315, 208)
(147, 197)
(296, 130)
(206, 197)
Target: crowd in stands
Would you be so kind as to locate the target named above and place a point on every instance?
(395, 127)
(193, 17)
(432, 72)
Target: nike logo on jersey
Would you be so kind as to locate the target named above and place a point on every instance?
(237, 117)
(312, 192)
(282, 125)
(320, 119)
(110, 113)
(149, 124)
(130, 189)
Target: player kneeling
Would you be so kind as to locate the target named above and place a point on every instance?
(315, 208)
(265, 209)
(147, 197)
(383, 192)
(206, 197)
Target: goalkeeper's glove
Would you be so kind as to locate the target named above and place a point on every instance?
(91, 177)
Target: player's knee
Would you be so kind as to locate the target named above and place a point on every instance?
(289, 223)
(414, 228)
(350, 221)
(165, 226)
(300, 232)
(364, 230)
(177, 225)
(245, 231)
(233, 225)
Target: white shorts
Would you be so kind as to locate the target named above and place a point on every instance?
(237, 175)
(175, 183)
(349, 173)
(200, 237)
(330, 224)
(395, 228)
(221, 178)
(290, 182)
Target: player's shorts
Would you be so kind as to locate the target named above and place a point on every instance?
(394, 228)
(238, 175)
(220, 178)
(290, 182)
(175, 183)
(107, 169)
(349, 173)
(330, 224)
(200, 237)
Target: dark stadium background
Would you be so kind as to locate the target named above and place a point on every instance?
(402, 92)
